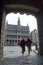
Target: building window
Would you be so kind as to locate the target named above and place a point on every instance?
(18, 31)
(12, 40)
(15, 36)
(7, 40)
(19, 36)
(18, 27)
(15, 41)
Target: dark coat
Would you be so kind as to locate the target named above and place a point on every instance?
(22, 43)
(28, 42)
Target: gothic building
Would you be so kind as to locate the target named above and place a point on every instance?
(14, 33)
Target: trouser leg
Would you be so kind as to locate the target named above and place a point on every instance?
(23, 49)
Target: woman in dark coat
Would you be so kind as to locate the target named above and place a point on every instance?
(22, 45)
(28, 44)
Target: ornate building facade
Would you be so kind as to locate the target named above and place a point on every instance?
(14, 33)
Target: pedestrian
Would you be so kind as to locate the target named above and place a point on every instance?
(28, 44)
(22, 45)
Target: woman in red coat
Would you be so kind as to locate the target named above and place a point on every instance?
(22, 45)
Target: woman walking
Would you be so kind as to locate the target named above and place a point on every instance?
(28, 44)
(22, 45)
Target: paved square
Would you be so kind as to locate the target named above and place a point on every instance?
(13, 56)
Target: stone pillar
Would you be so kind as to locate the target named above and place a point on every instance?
(1, 14)
(3, 30)
(40, 31)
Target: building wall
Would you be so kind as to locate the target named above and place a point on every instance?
(34, 36)
(14, 33)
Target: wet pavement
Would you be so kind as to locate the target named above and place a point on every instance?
(32, 59)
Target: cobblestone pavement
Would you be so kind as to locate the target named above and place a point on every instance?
(32, 59)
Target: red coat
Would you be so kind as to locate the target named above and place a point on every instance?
(22, 42)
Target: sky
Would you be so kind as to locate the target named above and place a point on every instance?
(12, 18)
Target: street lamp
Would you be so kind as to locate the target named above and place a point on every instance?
(35, 39)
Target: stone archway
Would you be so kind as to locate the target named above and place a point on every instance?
(22, 8)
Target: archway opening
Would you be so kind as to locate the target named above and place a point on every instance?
(13, 34)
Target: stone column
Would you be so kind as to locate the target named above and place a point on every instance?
(1, 14)
(3, 30)
(40, 31)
